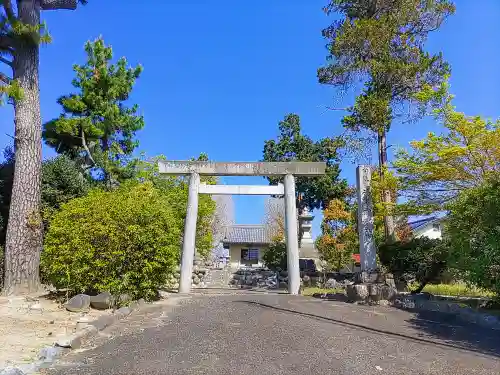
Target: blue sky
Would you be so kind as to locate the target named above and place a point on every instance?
(220, 75)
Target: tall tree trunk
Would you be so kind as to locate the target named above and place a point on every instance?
(389, 227)
(24, 231)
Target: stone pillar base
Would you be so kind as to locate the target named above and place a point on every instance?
(371, 287)
(370, 292)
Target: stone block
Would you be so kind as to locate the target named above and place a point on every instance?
(11, 371)
(331, 284)
(78, 303)
(49, 353)
(123, 312)
(357, 292)
(102, 301)
(367, 277)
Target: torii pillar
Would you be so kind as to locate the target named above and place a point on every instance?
(288, 170)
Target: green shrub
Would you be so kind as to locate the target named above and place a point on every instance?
(474, 230)
(275, 256)
(121, 241)
(421, 259)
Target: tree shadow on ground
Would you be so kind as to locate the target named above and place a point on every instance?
(469, 338)
(449, 328)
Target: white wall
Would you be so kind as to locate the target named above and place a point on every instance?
(429, 231)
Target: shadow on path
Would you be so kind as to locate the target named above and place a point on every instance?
(465, 338)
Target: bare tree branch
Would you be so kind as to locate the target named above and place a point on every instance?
(5, 61)
(58, 4)
(6, 43)
(4, 78)
(84, 144)
(336, 109)
(7, 4)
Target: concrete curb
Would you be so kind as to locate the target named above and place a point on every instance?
(465, 313)
(49, 354)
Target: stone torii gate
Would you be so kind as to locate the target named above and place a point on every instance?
(195, 169)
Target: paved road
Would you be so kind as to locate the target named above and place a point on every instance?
(281, 334)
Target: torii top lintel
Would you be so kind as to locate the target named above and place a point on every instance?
(208, 168)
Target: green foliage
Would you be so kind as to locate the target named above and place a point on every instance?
(275, 257)
(312, 291)
(474, 229)
(339, 239)
(176, 188)
(421, 259)
(381, 44)
(292, 145)
(16, 34)
(123, 241)
(439, 167)
(456, 289)
(96, 127)
(62, 180)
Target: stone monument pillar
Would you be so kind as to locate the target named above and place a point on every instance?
(367, 249)
(370, 285)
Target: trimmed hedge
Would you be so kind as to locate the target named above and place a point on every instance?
(122, 241)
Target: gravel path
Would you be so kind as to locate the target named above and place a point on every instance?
(282, 334)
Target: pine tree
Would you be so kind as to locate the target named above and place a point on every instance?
(381, 45)
(21, 34)
(292, 145)
(96, 127)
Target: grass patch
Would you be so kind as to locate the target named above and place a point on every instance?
(309, 291)
(456, 290)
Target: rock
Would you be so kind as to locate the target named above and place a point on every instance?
(196, 280)
(123, 299)
(306, 280)
(283, 285)
(102, 301)
(123, 312)
(357, 292)
(284, 273)
(331, 284)
(163, 295)
(49, 353)
(78, 303)
(12, 371)
(71, 342)
(368, 277)
(388, 292)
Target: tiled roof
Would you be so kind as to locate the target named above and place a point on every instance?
(247, 234)
(414, 225)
